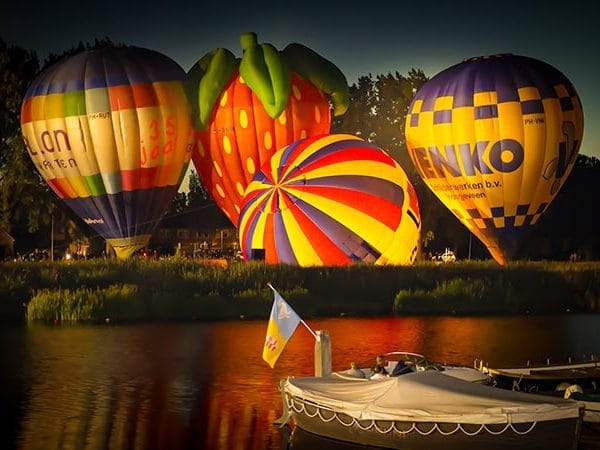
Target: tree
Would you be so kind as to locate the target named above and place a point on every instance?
(359, 117)
(570, 223)
(201, 208)
(25, 200)
(198, 196)
(27, 205)
(178, 204)
(81, 47)
(378, 109)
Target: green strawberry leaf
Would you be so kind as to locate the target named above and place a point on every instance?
(205, 82)
(322, 73)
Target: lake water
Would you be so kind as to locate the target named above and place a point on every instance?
(205, 386)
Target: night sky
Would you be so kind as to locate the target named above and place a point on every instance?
(360, 38)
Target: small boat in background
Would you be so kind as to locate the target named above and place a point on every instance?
(427, 410)
(578, 381)
(544, 377)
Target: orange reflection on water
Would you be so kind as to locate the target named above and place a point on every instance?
(205, 386)
(150, 387)
(244, 400)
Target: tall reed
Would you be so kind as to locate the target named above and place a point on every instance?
(183, 289)
(85, 304)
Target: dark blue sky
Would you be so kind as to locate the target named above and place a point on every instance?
(360, 38)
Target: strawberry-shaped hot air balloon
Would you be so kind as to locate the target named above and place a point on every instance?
(110, 132)
(246, 109)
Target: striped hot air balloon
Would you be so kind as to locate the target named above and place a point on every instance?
(330, 200)
(110, 131)
(495, 139)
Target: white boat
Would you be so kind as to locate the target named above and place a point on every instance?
(543, 377)
(577, 380)
(427, 410)
(416, 362)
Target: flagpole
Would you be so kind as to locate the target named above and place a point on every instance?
(310, 330)
(301, 321)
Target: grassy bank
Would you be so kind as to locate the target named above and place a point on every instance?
(178, 289)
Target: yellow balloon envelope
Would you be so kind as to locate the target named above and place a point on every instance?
(110, 131)
(330, 200)
(495, 139)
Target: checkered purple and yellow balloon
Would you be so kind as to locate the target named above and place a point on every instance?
(495, 139)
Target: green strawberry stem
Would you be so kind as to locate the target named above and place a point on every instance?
(266, 73)
(322, 73)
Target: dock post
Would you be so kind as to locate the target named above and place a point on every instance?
(322, 354)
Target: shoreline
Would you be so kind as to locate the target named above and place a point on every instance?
(176, 289)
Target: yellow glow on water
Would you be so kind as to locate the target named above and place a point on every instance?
(206, 383)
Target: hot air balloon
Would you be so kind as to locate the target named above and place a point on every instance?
(495, 139)
(330, 200)
(110, 131)
(245, 110)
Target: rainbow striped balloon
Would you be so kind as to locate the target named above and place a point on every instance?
(110, 131)
(330, 200)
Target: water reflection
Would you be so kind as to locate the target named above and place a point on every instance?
(205, 386)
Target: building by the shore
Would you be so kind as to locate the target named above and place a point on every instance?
(205, 234)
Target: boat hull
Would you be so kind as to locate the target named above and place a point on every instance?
(544, 378)
(560, 434)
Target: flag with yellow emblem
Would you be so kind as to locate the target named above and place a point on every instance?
(282, 324)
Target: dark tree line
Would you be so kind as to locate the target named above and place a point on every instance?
(377, 113)
(570, 223)
(28, 207)
(25, 201)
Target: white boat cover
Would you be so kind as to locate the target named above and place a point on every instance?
(429, 396)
